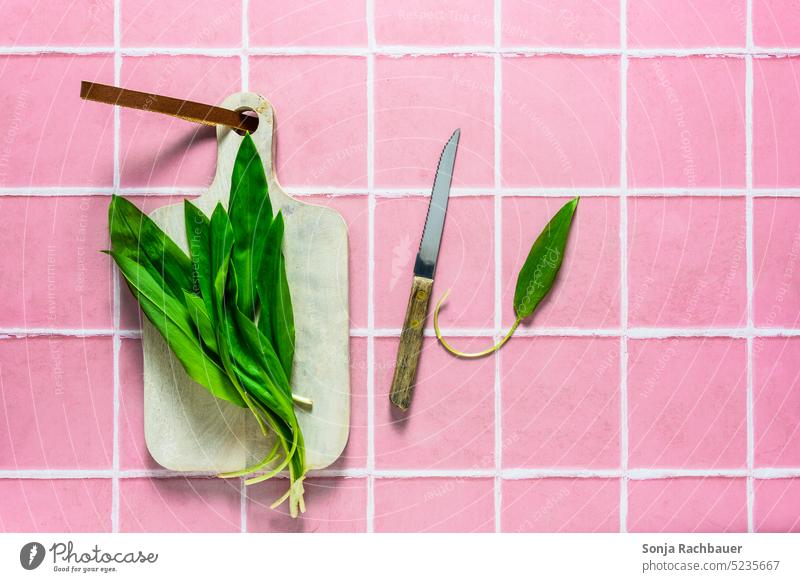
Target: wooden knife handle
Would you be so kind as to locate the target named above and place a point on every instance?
(405, 371)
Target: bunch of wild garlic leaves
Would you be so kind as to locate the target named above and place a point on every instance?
(225, 309)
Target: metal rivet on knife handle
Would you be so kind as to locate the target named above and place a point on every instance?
(405, 371)
(188, 110)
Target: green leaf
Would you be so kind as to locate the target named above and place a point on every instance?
(283, 320)
(221, 246)
(172, 321)
(544, 261)
(276, 321)
(202, 321)
(135, 234)
(250, 213)
(258, 347)
(198, 238)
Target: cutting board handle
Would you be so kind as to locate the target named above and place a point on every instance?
(228, 141)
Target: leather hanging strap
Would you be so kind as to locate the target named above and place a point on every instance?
(188, 110)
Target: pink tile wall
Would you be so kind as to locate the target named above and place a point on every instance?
(58, 409)
(676, 283)
(169, 23)
(686, 23)
(567, 415)
(687, 403)
(668, 345)
(562, 23)
(689, 504)
(686, 122)
(560, 505)
(178, 505)
(560, 121)
(434, 505)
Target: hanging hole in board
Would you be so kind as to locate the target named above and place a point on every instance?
(247, 112)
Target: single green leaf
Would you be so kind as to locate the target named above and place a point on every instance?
(250, 213)
(544, 261)
(221, 246)
(198, 238)
(276, 321)
(134, 233)
(283, 320)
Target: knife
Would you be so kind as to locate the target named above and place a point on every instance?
(405, 371)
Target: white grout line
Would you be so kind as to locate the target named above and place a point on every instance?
(401, 50)
(516, 474)
(370, 17)
(542, 192)
(498, 254)
(117, 341)
(623, 234)
(632, 333)
(749, 258)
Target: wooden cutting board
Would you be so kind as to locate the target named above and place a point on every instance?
(186, 428)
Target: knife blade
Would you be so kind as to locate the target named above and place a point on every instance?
(408, 351)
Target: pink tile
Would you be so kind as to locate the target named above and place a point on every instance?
(560, 121)
(450, 424)
(560, 505)
(71, 141)
(321, 23)
(419, 102)
(61, 23)
(686, 262)
(434, 23)
(776, 122)
(686, 122)
(562, 23)
(776, 245)
(775, 23)
(355, 211)
(354, 455)
(177, 23)
(686, 402)
(177, 505)
(776, 405)
(321, 117)
(333, 505)
(465, 263)
(586, 292)
(686, 23)
(687, 504)
(58, 399)
(564, 411)
(162, 151)
(777, 505)
(55, 276)
(55, 505)
(441, 505)
(132, 445)
(130, 316)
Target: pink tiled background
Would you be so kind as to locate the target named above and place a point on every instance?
(656, 389)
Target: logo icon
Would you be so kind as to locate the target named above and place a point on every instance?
(31, 555)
